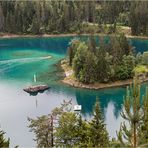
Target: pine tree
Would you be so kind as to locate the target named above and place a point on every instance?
(3, 141)
(66, 130)
(82, 132)
(144, 127)
(1, 19)
(98, 133)
(132, 114)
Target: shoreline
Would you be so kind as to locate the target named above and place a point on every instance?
(71, 81)
(7, 35)
(98, 86)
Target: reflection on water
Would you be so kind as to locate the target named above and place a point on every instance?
(20, 60)
(16, 106)
(112, 121)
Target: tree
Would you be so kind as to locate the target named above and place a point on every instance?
(84, 64)
(92, 43)
(87, 73)
(44, 126)
(1, 19)
(144, 127)
(133, 115)
(3, 141)
(79, 59)
(72, 50)
(125, 69)
(98, 133)
(119, 46)
(124, 44)
(66, 131)
(138, 17)
(102, 65)
(82, 132)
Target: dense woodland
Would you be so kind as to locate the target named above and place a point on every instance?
(111, 59)
(64, 16)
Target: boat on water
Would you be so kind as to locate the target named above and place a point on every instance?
(36, 89)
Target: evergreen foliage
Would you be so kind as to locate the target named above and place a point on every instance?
(3, 141)
(135, 134)
(66, 132)
(64, 16)
(110, 61)
(144, 127)
(98, 133)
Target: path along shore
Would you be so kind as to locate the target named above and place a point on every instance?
(61, 35)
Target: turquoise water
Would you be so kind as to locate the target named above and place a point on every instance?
(20, 59)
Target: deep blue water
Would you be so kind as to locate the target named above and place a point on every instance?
(20, 59)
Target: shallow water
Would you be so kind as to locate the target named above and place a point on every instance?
(20, 59)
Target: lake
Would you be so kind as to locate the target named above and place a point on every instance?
(20, 59)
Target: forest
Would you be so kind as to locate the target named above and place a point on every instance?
(105, 59)
(55, 17)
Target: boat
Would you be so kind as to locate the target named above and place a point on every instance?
(36, 89)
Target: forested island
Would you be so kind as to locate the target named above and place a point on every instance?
(105, 59)
(112, 62)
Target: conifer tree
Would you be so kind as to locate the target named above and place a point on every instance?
(82, 132)
(98, 133)
(3, 141)
(133, 115)
(144, 127)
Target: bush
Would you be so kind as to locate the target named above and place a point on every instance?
(140, 69)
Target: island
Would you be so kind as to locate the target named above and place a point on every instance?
(98, 66)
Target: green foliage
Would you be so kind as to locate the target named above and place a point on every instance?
(66, 132)
(138, 17)
(68, 129)
(83, 64)
(82, 132)
(108, 62)
(140, 69)
(102, 65)
(119, 46)
(37, 17)
(133, 114)
(125, 69)
(3, 141)
(144, 127)
(72, 50)
(98, 133)
(42, 129)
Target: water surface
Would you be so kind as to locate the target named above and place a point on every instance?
(20, 59)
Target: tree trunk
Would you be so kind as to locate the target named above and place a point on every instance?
(135, 136)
